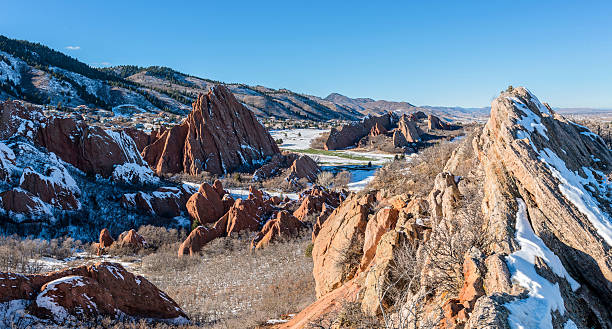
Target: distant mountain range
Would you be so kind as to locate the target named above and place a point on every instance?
(38, 74)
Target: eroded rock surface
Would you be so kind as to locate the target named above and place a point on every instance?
(84, 293)
(220, 135)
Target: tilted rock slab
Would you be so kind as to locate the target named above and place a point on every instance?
(219, 136)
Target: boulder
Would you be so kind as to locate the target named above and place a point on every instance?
(206, 205)
(219, 136)
(304, 167)
(89, 148)
(131, 239)
(283, 226)
(86, 292)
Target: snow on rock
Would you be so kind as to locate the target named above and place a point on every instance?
(7, 161)
(56, 188)
(544, 296)
(134, 174)
(573, 187)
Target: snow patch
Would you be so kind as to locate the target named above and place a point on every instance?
(543, 296)
(135, 174)
(572, 186)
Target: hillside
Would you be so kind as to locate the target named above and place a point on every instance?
(40, 75)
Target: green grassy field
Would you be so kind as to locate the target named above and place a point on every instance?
(339, 154)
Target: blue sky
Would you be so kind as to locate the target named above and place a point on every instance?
(424, 52)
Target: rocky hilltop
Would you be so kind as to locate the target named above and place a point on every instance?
(388, 132)
(219, 136)
(515, 233)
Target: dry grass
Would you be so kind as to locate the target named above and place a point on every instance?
(228, 286)
(417, 174)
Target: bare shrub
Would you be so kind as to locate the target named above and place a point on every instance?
(451, 239)
(24, 255)
(417, 173)
(341, 180)
(319, 142)
(229, 286)
(330, 180)
(325, 179)
(158, 236)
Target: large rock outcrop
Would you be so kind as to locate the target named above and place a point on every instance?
(89, 148)
(407, 132)
(207, 204)
(545, 185)
(536, 253)
(84, 293)
(19, 119)
(167, 201)
(220, 135)
(244, 215)
(340, 242)
(349, 135)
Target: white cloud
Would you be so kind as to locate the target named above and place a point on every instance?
(73, 47)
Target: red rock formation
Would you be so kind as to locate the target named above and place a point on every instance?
(242, 215)
(407, 132)
(89, 148)
(313, 200)
(304, 167)
(100, 290)
(19, 119)
(165, 201)
(284, 225)
(416, 116)
(106, 240)
(131, 239)
(199, 237)
(384, 221)
(275, 166)
(350, 134)
(433, 122)
(141, 138)
(206, 205)
(56, 188)
(378, 129)
(19, 203)
(219, 136)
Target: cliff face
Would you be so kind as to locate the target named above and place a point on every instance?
(539, 255)
(545, 184)
(220, 135)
